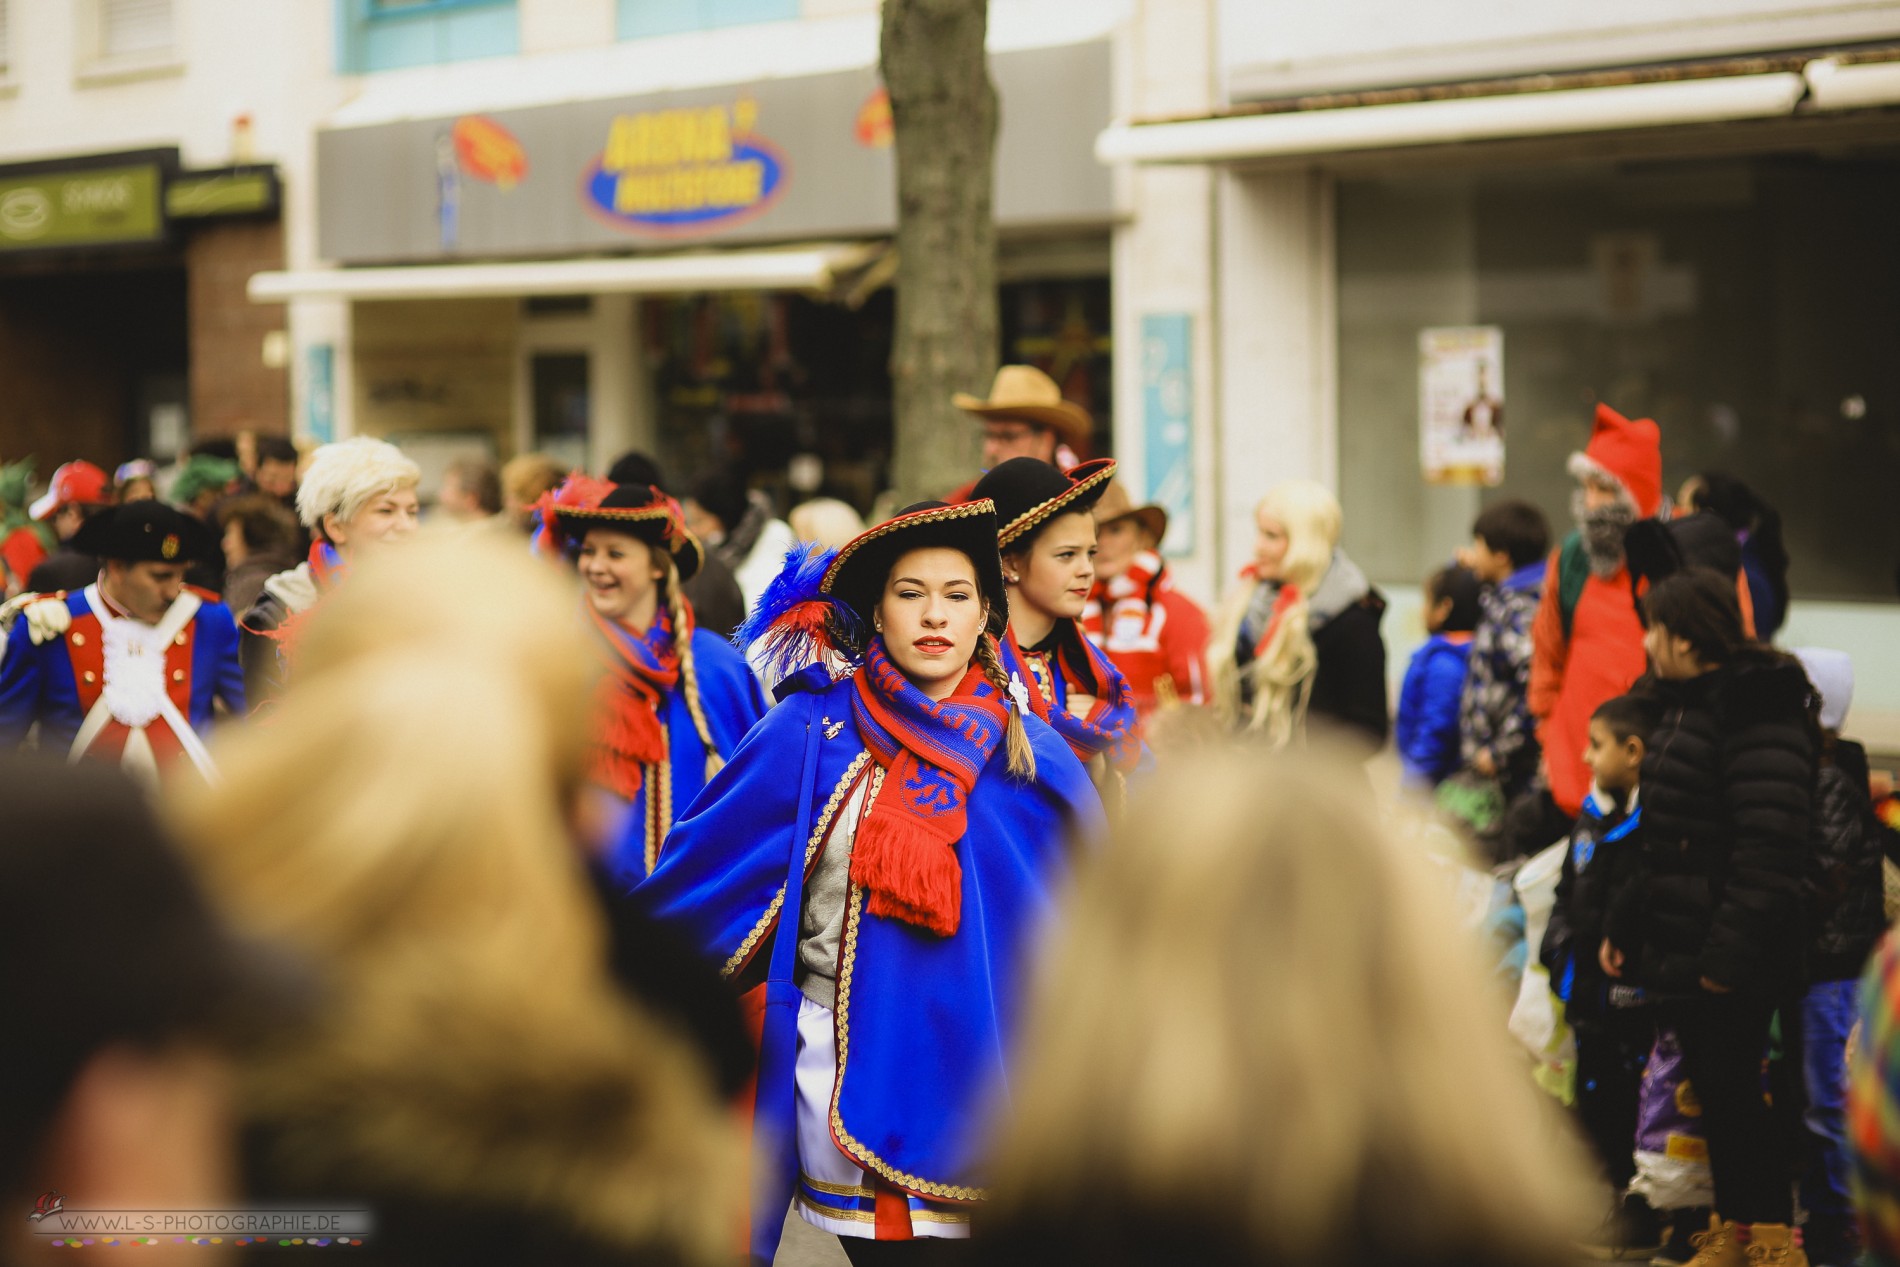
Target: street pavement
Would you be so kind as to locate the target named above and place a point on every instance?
(806, 1246)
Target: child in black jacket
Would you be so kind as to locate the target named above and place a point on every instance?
(1613, 1031)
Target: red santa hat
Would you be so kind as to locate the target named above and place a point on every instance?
(1627, 452)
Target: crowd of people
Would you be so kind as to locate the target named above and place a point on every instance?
(596, 875)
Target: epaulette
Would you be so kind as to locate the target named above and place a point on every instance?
(47, 616)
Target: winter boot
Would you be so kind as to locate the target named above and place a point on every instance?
(1720, 1246)
(1683, 1224)
(1774, 1245)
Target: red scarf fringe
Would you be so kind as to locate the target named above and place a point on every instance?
(628, 733)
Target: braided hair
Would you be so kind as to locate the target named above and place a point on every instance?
(681, 613)
(1022, 758)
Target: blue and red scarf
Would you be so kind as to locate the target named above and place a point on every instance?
(931, 752)
(1112, 726)
(640, 669)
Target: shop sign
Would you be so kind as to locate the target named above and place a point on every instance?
(235, 191)
(89, 206)
(1167, 408)
(488, 151)
(786, 160)
(685, 172)
(1461, 404)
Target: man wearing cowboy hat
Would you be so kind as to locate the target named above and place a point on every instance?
(131, 668)
(1156, 635)
(1026, 417)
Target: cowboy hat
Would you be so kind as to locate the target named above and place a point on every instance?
(1116, 504)
(1026, 393)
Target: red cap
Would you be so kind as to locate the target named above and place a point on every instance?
(80, 482)
(1629, 451)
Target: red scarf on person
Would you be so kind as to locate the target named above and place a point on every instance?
(1288, 595)
(640, 670)
(931, 752)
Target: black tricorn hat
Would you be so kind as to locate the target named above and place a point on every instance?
(642, 512)
(146, 532)
(858, 573)
(1029, 492)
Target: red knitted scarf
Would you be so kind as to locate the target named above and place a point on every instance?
(640, 670)
(932, 752)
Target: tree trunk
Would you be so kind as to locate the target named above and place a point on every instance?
(943, 111)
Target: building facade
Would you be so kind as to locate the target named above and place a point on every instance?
(1374, 218)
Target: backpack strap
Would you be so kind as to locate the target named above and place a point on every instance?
(1573, 573)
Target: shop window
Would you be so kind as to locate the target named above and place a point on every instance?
(641, 18)
(559, 387)
(1735, 301)
(375, 35)
(6, 52)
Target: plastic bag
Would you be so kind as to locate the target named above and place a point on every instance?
(1537, 1020)
(1672, 1153)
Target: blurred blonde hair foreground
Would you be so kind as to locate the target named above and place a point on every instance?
(1259, 1037)
(401, 819)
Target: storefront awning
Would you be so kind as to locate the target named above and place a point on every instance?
(1541, 105)
(1474, 118)
(779, 268)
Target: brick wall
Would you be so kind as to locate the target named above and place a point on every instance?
(232, 389)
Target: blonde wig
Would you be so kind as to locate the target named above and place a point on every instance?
(344, 477)
(1281, 675)
(402, 820)
(1258, 1017)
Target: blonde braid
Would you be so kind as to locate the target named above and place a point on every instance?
(689, 675)
(1022, 758)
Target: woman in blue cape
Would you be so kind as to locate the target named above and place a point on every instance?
(911, 823)
(1046, 533)
(673, 700)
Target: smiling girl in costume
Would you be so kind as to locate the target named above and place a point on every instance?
(1046, 533)
(910, 822)
(673, 700)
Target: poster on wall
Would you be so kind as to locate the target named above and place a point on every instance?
(1461, 404)
(1167, 394)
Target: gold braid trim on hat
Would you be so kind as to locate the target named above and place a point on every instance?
(1022, 523)
(942, 514)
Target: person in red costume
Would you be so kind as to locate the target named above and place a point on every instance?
(1156, 635)
(1587, 639)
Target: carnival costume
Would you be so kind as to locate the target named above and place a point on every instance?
(105, 685)
(672, 701)
(915, 867)
(1028, 494)
(1151, 631)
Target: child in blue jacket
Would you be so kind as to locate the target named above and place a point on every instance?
(1435, 679)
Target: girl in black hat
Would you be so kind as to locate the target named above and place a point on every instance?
(673, 701)
(909, 822)
(1046, 535)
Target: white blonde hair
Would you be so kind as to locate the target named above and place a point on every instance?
(344, 477)
(402, 820)
(1281, 675)
(827, 521)
(1258, 1017)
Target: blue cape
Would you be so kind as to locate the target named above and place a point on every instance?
(924, 1022)
(37, 683)
(730, 697)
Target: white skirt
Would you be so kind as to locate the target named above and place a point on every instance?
(834, 1192)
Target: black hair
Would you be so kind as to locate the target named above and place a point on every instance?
(635, 467)
(1699, 605)
(1631, 716)
(722, 493)
(1516, 528)
(276, 449)
(214, 447)
(1742, 510)
(1462, 586)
